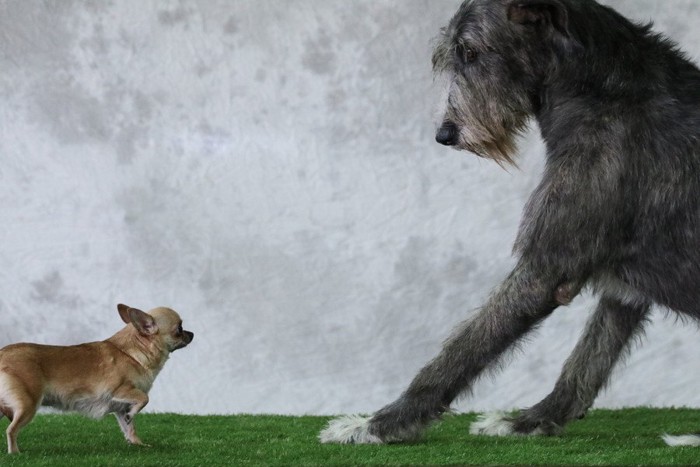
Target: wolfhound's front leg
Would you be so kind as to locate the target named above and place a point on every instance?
(523, 300)
(606, 338)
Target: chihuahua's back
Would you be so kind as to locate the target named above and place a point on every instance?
(76, 378)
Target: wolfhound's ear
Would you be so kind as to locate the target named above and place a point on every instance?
(547, 13)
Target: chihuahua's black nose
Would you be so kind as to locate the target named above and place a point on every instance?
(447, 134)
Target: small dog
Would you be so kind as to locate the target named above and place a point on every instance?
(111, 376)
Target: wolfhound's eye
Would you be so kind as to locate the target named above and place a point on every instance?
(465, 54)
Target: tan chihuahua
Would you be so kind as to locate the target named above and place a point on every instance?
(111, 376)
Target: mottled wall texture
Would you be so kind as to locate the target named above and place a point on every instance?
(268, 168)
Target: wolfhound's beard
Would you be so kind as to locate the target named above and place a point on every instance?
(495, 142)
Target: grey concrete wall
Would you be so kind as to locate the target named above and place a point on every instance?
(268, 169)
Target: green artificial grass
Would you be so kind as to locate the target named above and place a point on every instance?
(604, 437)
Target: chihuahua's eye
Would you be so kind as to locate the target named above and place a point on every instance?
(179, 329)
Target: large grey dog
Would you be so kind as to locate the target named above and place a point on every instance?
(617, 210)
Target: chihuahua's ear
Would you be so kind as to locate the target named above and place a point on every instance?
(124, 313)
(142, 321)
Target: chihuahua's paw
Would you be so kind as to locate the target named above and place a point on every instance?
(350, 429)
(141, 445)
(137, 442)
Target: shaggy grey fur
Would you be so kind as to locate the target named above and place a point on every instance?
(617, 209)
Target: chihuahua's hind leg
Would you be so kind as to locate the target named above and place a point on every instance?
(20, 419)
(22, 413)
(19, 406)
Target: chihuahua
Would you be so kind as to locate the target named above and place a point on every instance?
(111, 376)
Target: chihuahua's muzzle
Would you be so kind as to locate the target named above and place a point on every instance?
(186, 339)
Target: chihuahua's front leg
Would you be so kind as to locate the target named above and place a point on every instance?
(135, 400)
(127, 426)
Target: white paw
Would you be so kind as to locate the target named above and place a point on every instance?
(683, 440)
(498, 424)
(350, 429)
(492, 424)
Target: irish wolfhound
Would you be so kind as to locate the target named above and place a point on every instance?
(617, 210)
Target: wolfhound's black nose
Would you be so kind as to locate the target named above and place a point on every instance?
(447, 134)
